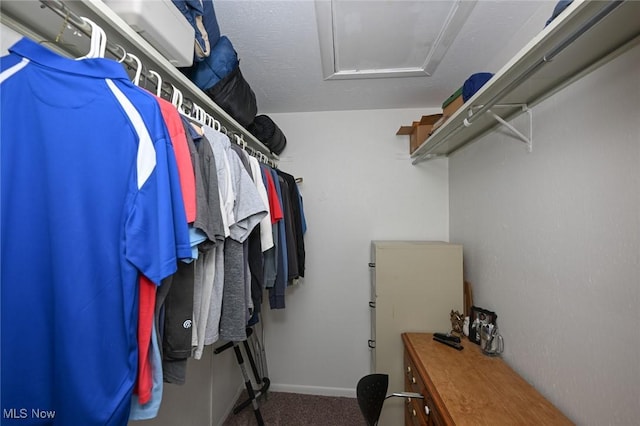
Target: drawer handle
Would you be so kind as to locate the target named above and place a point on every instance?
(413, 380)
(414, 412)
(408, 369)
(426, 409)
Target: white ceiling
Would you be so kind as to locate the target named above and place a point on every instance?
(418, 38)
(279, 49)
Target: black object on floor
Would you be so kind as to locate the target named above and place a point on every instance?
(253, 396)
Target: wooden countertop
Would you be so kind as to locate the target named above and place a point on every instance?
(470, 388)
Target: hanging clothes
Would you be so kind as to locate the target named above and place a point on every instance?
(277, 291)
(208, 325)
(248, 211)
(260, 241)
(297, 229)
(147, 291)
(270, 255)
(90, 199)
(146, 240)
(209, 217)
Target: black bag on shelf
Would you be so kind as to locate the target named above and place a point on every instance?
(268, 132)
(234, 95)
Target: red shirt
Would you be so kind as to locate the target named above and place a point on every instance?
(274, 202)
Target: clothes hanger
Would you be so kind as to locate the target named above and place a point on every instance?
(194, 120)
(199, 114)
(195, 116)
(124, 54)
(212, 122)
(159, 82)
(240, 141)
(136, 77)
(176, 99)
(93, 41)
(98, 42)
(194, 113)
(102, 48)
(206, 118)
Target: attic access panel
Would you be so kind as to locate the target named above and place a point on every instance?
(377, 38)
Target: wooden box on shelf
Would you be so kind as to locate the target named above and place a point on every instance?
(419, 131)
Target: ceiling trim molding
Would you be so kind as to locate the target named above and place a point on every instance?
(452, 24)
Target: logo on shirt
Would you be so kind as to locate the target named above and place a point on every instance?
(186, 324)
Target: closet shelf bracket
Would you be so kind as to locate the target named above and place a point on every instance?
(528, 140)
(433, 157)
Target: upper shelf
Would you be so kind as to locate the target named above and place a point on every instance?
(585, 36)
(31, 18)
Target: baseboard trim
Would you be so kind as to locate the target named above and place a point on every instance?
(313, 390)
(229, 409)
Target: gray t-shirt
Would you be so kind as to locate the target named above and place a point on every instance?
(248, 209)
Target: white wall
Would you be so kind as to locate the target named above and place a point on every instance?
(7, 39)
(359, 185)
(552, 243)
(212, 386)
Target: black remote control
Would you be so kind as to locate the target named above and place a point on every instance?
(454, 345)
(447, 336)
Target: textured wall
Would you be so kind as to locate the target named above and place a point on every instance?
(359, 185)
(552, 242)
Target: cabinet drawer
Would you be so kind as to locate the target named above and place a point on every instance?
(424, 409)
(415, 413)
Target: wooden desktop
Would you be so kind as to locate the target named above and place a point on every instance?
(468, 388)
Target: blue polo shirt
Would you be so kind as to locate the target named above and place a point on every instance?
(90, 199)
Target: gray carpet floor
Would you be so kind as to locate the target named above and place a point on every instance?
(292, 409)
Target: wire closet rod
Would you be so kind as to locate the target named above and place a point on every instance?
(606, 10)
(131, 61)
(115, 49)
(549, 56)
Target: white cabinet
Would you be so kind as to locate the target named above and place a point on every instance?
(415, 285)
